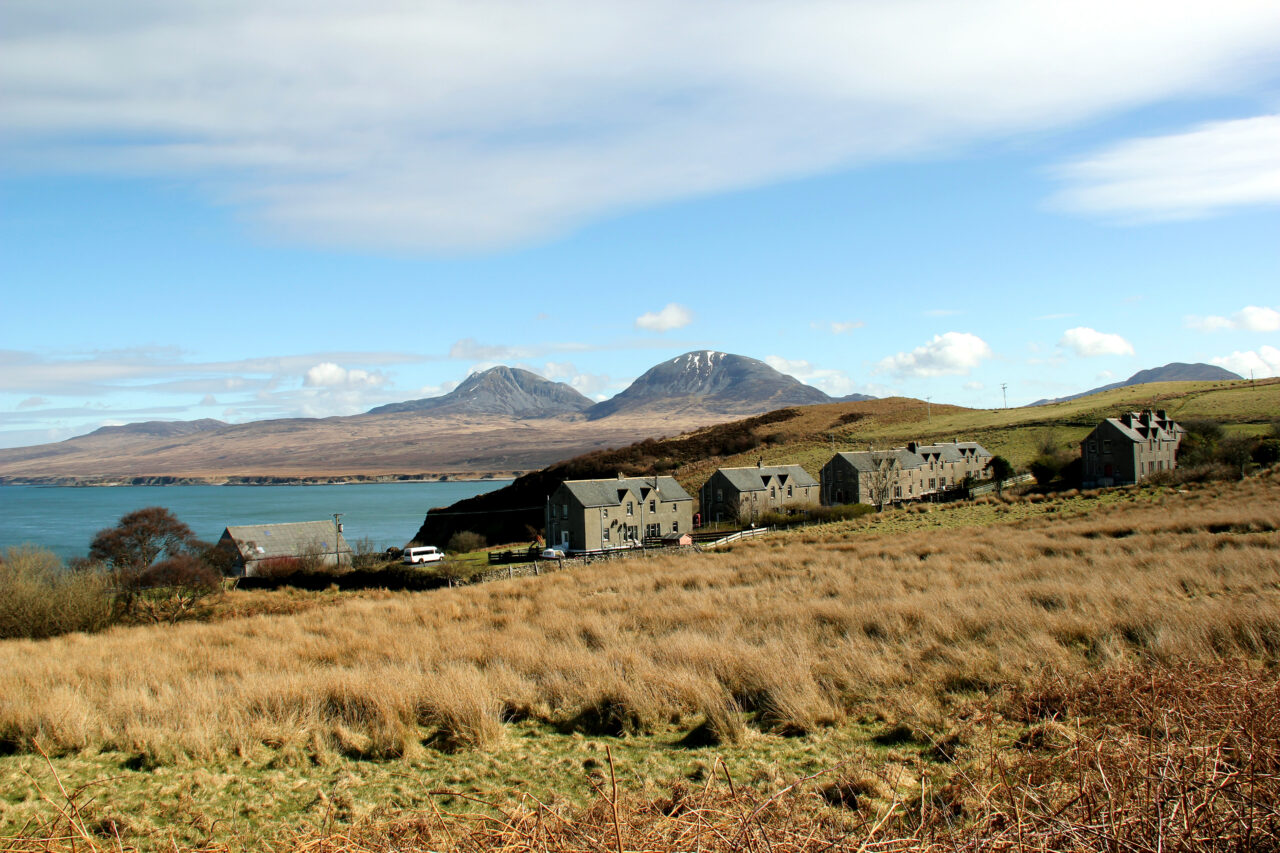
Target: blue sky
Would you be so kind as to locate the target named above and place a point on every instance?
(245, 210)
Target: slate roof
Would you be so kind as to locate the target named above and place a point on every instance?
(592, 493)
(1142, 426)
(755, 478)
(862, 460)
(291, 539)
(950, 450)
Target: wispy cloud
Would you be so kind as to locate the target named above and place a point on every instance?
(837, 383)
(837, 327)
(1252, 318)
(947, 354)
(464, 125)
(1087, 342)
(1216, 167)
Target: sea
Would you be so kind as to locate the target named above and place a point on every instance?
(64, 519)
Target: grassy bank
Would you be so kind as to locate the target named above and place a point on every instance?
(859, 646)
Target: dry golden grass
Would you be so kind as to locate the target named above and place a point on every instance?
(799, 632)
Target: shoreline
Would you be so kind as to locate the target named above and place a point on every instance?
(258, 479)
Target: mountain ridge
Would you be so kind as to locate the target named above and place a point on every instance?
(499, 390)
(1174, 371)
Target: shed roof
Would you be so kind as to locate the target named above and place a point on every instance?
(290, 539)
(591, 493)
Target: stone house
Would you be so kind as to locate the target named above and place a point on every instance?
(901, 474)
(1125, 450)
(252, 544)
(597, 515)
(747, 493)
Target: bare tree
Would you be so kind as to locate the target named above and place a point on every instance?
(883, 477)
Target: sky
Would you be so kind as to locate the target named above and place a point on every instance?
(245, 210)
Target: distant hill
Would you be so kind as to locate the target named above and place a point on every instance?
(715, 382)
(162, 429)
(498, 391)
(1176, 371)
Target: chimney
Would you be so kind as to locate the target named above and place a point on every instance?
(620, 477)
(911, 445)
(760, 462)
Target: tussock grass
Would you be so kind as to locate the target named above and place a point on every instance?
(797, 633)
(39, 598)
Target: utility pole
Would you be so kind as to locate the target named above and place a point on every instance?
(928, 407)
(1003, 386)
(337, 539)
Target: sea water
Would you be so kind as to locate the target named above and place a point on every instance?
(65, 518)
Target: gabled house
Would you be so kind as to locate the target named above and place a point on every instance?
(252, 544)
(597, 515)
(747, 493)
(1125, 450)
(880, 477)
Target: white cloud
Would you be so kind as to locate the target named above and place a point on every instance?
(33, 402)
(1252, 318)
(1217, 166)
(1104, 375)
(588, 384)
(1262, 363)
(947, 354)
(837, 383)
(209, 400)
(673, 316)
(464, 125)
(1087, 342)
(330, 375)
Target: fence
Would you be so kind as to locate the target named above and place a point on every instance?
(988, 488)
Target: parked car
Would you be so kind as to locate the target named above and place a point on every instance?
(553, 554)
(422, 554)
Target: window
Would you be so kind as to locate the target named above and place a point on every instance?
(1106, 445)
(897, 491)
(631, 508)
(932, 483)
(719, 494)
(653, 505)
(773, 492)
(604, 513)
(564, 510)
(604, 535)
(675, 526)
(1093, 447)
(789, 491)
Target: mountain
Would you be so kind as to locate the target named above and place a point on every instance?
(498, 391)
(717, 383)
(1176, 371)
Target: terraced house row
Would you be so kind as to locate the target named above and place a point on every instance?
(599, 515)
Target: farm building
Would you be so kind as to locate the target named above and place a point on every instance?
(253, 544)
(1125, 450)
(744, 494)
(596, 515)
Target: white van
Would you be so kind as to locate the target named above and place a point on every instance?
(422, 554)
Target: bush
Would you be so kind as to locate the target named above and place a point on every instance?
(40, 598)
(465, 541)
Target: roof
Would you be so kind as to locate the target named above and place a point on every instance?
(951, 450)
(1139, 427)
(291, 539)
(613, 492)
(757, 478)
(864, 460)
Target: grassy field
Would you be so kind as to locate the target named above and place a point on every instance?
(890, 655)
(810, 438)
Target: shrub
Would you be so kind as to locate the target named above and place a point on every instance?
(39, 598)
(465, 541)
